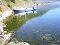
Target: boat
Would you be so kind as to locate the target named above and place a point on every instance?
(24, 10)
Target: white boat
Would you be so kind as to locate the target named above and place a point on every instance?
(23, 11)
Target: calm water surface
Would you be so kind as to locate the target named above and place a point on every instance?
(41, 30)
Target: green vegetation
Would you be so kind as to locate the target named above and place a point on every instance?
(13, 22)
(0, 9)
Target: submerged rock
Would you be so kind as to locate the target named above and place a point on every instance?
(22, 43)
(19, 43)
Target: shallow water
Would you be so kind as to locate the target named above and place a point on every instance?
(41, 30)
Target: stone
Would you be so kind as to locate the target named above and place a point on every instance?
(11, 43)
(22, 43)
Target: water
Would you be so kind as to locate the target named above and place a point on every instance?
(48, 6)
(41, 30)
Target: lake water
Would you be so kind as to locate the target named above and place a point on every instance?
(41, 30)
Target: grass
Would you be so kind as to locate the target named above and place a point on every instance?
(13, 22)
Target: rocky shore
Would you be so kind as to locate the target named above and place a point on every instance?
(5, 38)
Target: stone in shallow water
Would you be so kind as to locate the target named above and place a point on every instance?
(19, 43)
(22, 43)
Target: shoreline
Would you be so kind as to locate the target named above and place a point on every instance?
(6, 15)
